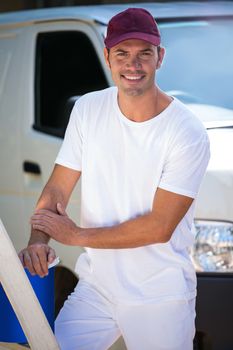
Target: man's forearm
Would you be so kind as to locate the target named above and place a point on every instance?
(48, 200)
(38, 237)
(141, 231)
(156, 226)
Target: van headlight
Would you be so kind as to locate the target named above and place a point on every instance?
(213, 247)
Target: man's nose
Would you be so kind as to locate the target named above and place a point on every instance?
(134, 62)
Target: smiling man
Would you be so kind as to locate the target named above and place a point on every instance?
(143, 56)
(141, 155)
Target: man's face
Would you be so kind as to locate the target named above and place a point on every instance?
(133, 64)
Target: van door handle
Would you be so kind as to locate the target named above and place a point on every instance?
(30, 167)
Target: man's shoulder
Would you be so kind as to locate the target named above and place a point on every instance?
(97, 96)
(186, 116)
(93, 105)
(186, 125)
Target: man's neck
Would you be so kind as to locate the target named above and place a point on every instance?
(144, 107)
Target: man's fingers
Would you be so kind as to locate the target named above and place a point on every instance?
(37, 264)
(39, 218)
(43, 223)
(21, 257)
(43, 260)
(39, 227)
(51, 255)
(27, 262)
(36, 258)
(61, 209)
(45, 229)
(45, 212)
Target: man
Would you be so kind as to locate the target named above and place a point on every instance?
(141, 155)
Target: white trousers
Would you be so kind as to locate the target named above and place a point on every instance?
(89, 321)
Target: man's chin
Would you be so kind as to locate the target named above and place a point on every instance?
(133, 91)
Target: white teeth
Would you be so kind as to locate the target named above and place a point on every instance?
(132, 77)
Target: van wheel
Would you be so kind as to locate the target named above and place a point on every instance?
(65, 282)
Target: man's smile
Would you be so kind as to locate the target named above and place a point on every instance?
(134, 77)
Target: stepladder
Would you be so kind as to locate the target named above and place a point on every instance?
(22, 297)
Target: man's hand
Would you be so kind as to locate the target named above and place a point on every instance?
(57, 225)
(36, 258)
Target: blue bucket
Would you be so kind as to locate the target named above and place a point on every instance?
(10, 329)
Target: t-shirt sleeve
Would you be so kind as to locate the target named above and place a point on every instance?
(70, 154)
(185, 167)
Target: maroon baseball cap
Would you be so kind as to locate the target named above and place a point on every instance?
(133, 23)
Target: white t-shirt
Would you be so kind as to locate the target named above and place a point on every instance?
(123, 163)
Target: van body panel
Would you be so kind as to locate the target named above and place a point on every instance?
(33, 123)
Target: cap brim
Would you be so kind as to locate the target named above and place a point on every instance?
(152, 39)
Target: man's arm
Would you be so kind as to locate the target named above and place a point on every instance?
(154, 227)
(59, 187)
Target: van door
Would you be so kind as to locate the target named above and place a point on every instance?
(11, 188)
(62, 61)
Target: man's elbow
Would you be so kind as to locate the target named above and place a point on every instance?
(165, 237)
(163, 234)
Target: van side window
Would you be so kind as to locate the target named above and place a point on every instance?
(67, 67)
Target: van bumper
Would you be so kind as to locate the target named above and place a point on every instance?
(214, 308)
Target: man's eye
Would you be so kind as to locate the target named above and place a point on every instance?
(122, 54)
(146, 54)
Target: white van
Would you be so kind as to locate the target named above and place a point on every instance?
(50, 57)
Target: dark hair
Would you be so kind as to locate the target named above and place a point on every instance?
(158, 49)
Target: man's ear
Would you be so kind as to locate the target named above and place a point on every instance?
(161, 55)
(106, 57)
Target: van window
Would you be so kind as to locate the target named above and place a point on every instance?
(67, 67)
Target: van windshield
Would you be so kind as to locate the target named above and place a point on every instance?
(198, 66)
